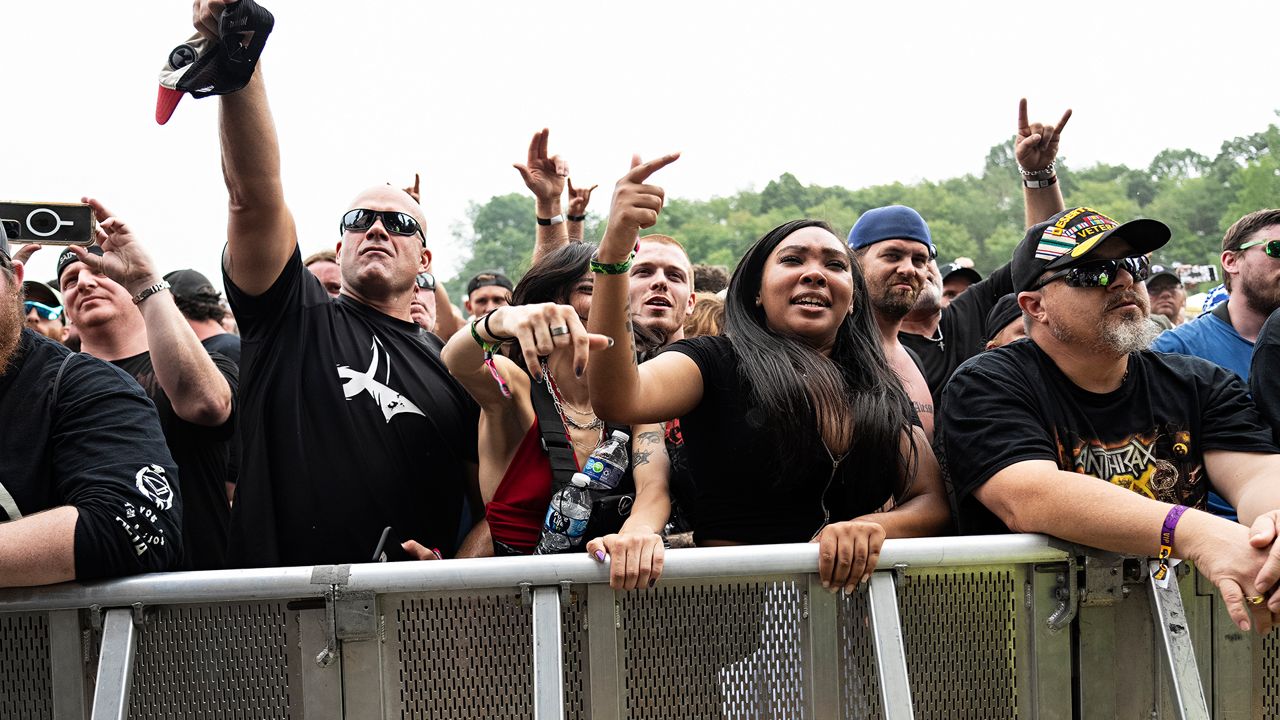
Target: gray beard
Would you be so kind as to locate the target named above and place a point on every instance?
(1117, 339)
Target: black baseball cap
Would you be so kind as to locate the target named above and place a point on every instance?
(956, 269)
(1160, 271)
(1080, 235)
(41, 293)
(191, 285)
(486, 279)
(1005, 311)
(67, 257)
(204, 67)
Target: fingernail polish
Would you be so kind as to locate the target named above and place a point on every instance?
(600, 555)
(652, 582)
(578, 370)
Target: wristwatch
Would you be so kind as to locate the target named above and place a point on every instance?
(426, 281)
(148, 292)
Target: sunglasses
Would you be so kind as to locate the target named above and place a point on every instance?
(396, 223)
(44, 311)
(425, 281)
(1100, 273)
(1270, 247)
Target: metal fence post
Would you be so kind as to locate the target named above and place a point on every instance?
(604, 665)
(1174, 644)
(115, 665)
(822, 661)
(891, 656)
(548, 655)
(67, 666)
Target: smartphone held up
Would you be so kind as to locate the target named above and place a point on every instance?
(48, 223)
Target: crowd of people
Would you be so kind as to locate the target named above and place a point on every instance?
(836, 388)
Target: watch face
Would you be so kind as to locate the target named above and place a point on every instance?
(426, 281)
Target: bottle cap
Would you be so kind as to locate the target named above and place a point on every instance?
(580, 479)
(621, 435)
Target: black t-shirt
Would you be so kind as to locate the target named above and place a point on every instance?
(349, 423)
(225, 344)
(738, 495)
(204, 463)
(1014, 404)
(961, 331)
(1264, 373)
(96, 446)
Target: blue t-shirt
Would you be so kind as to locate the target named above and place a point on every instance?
(1212, 339)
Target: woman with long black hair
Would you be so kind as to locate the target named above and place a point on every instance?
(545, 323)
(794, 425)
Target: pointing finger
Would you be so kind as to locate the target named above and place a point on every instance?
(1022, 116)
(640, 173)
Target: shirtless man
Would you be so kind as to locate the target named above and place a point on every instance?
(894, 247)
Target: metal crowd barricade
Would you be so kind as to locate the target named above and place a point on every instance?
(973, 627)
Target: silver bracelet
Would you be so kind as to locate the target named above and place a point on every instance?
(162, 285)
(1042, 172)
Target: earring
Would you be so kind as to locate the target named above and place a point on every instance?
(757, 301)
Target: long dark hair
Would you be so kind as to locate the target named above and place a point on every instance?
(551, 280)
(792, 386)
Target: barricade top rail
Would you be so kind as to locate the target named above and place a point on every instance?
(219, 586)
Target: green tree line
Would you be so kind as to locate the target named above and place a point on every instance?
(978, 216)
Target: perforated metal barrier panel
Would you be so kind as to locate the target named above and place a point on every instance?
(464, 655)
(731, 650)
(573, 632)
(859, 678)
(26, 690)
(1270, 691)
(212, 661)
(958, 629)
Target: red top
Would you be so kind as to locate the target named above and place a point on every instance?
(519, 505)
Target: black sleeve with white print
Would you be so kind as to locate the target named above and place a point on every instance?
(109, 460)
(97, 447)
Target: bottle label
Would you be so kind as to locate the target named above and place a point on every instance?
(603, 475)
(563, 525)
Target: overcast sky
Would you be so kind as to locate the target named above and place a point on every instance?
(848, 93)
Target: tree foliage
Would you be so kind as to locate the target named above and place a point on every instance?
(979, 216)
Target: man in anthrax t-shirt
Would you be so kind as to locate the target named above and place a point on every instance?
(1081, 433)
(349, 421)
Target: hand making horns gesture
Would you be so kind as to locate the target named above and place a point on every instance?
(544, 175)
(1037, 144)
(635, 206)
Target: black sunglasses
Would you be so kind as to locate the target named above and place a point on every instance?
(425, 281)
(396, 223)
(1100, 273)
(1270, 247)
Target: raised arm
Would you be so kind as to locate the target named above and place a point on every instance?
(196, 388)
(1036, 148)
(667, 386)
(545, 177)
(579, 198)
(260, 231)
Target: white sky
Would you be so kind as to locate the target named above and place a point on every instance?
(848, 93)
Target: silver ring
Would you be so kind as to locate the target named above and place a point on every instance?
(561, 330)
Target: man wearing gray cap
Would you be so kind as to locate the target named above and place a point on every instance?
(1082, 433)
(88, 488)
(44, 310)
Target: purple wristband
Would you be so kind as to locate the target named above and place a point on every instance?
(1166, 539)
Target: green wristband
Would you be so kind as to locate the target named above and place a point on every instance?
(612, 268)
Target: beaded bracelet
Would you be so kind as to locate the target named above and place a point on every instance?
(612, 268)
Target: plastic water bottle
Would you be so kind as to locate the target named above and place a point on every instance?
(567, 517)
(608, 462)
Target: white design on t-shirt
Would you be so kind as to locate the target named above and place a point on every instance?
(9, 505)
(355, 382)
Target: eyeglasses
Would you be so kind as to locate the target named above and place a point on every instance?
(396, 223)
(1100, 273)
(44, 311)
(1270, 247)
(425, 281)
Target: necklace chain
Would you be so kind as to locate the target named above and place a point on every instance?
(555, 398)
